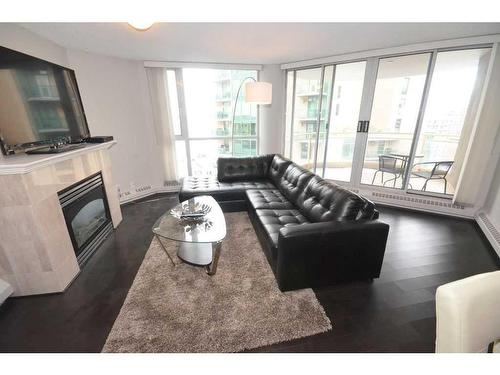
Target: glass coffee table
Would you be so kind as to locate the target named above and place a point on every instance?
(200, 241)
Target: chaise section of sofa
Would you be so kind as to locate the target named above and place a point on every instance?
(234, 177)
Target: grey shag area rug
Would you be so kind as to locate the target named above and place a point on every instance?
(182, 309)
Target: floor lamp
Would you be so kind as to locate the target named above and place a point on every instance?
(255, 92)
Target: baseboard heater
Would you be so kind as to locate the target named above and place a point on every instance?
(489, 230)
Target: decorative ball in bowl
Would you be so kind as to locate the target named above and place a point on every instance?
(191, 211)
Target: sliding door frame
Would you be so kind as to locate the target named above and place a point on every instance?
(327, 120)
(365, 110)
(369, 84)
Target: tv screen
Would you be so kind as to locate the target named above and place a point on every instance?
(39, 103)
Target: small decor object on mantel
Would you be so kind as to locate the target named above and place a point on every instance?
(99, 139)
(191, 211)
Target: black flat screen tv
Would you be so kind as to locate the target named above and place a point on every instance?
(39, 103)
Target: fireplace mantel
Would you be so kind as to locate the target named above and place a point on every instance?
(24, 163)
(36, 253)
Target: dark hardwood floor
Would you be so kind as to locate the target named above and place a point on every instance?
(395, 313)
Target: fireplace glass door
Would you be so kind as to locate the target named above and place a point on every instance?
(87, 215)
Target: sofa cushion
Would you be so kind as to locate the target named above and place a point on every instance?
(221, 191)
(326, 201)
(270, 198)
(278, 166)
(247, 168)
(274, 220)
(293, 182)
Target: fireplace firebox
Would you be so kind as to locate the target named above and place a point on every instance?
(87, 216)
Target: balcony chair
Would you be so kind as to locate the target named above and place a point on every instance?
(390, 164)
(436, 170)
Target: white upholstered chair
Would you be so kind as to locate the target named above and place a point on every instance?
(468, 314)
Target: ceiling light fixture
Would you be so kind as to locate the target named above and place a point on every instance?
(141, 25)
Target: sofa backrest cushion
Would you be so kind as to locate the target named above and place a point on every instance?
(293, 182)
(278, 166)
(325, 201)
(247, 168)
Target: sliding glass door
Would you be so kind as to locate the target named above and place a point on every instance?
(399, 122)
(321, 128)
(396, 104)
(306, 109)
(336, 155)
(454, 93)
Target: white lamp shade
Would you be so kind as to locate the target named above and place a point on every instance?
(258, 92)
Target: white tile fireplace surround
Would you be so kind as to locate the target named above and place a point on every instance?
(36, 252)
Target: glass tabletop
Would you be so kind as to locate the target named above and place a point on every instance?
(211, 229)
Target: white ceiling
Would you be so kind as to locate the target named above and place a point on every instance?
(262, 43)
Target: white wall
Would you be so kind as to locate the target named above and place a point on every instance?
(20, 39)
(492, 202)
(489, 217)
(116, 101)
(271, 116)
(492, 205)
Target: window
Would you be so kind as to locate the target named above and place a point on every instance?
(337, 131)
(406, 84)
(347, 149)
(448, 119)
(304, 150)
(395, 75)
(245, 147)
(305, 114)
(397, 125)
(415, 111)
(209, 97)
(339, 153)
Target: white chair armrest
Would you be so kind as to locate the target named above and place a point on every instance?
(468, 314)
(5, 290)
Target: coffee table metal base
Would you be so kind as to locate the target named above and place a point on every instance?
(201, 254)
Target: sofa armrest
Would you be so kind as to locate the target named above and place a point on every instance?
(332, 228)
(328, 251)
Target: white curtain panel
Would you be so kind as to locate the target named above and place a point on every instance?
(469, 120)
(478, 161)
(162, 119)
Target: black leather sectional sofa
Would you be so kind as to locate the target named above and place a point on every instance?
(313, 232)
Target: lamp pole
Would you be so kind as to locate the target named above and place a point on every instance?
(234, 111)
